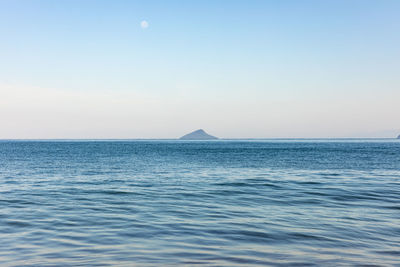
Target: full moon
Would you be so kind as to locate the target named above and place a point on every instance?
(144, 24)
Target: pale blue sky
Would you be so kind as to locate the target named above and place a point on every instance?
(87, 69)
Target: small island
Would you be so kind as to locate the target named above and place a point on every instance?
(398, 137)
(198, 135)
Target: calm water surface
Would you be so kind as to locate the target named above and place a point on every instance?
(216, 203)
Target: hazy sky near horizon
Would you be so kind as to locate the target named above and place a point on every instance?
(160, 69)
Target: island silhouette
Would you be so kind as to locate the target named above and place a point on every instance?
(198, 135)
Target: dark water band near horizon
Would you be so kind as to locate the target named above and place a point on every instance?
(301, 202)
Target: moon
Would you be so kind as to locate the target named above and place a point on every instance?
(144, 24)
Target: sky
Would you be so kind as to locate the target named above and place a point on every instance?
(237, 69)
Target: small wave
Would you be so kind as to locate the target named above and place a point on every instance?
(16, 223)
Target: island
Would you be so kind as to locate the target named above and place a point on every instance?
(198, 135)
(398, 137)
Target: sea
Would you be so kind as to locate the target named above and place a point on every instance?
(273, 202)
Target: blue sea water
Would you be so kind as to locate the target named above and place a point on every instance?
(200, 203)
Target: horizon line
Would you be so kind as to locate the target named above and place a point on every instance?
(175, 139)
